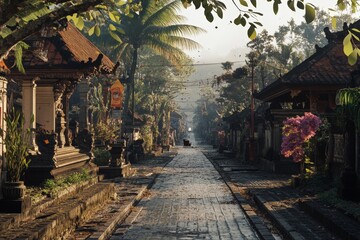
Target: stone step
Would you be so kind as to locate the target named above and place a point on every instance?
(66, 151)
(294, 224)
(59, 219)
(69, 159)
(342, 225)
(102, 223)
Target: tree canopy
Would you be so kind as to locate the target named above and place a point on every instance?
(22, 18)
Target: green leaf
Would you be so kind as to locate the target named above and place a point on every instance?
(197, 4)
(300, 5)
(112, 27)
(354, 6)
(355, 30)
(251, 33)
(291, 4)
(341, 5)
(80, 23)
(209, 16)
(244, 3)
(112, 17)
(333, 23)
(309, 13)
(97, 30)
(12, 22)
(358, 53)
(115, 36)
(243, 22)
(275, 7)
(352, 58)
(91, 31)
(219, 13)
(237, 20)
(258, 23)
(347, 45)
(5, 31)
(18, 55)
(120, 30)
(253, 2)
(121, 2)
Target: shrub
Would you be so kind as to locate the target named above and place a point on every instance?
(102, 157)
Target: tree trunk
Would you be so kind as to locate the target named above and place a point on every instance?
(130, 84)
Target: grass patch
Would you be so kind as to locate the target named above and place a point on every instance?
(51, 186)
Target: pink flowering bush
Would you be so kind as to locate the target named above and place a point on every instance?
(297, 132)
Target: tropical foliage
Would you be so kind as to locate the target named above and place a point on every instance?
(16, 139)
(208, 113)
(158, 27)
(349, 100)
(159, 85)
(98, 103)
(247, 16)
(106, 129)
(20, 19)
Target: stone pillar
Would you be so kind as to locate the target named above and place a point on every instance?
(45, 107)
(66, 102)
(3, 104)
(83, 88)
(29, 108)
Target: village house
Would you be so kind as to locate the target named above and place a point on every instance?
(312, 87)
(55, 64)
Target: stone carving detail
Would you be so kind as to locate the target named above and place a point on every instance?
(85, 142)
(47, 143)
(59, 90)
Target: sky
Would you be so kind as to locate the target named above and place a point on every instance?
(225, 41)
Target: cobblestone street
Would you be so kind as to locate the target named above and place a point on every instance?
(188, 201)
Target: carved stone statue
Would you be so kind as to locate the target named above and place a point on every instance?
(85, 141)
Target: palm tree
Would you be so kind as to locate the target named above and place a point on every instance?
(158, 27)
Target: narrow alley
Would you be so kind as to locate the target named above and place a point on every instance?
(188, 201)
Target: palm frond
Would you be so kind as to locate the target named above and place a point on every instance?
(349, 100)
(178, 30)
(162, 16)
(182, 43)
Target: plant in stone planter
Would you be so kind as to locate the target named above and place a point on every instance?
(108, 131)
(297, 132)
(16, 139)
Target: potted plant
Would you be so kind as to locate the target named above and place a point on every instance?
(16, 139)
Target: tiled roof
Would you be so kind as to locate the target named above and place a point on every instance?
(81, 48)
(68, 49)
(327, 67)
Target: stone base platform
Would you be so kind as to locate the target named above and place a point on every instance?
(15, 206)
(113, 172)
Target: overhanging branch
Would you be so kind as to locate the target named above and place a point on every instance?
(42, 22)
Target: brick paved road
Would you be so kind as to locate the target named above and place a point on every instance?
(188, 201)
